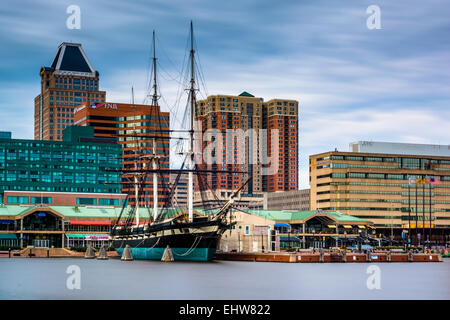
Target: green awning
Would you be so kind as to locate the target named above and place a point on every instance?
(88, 236)
(345, 237)
(8, 236)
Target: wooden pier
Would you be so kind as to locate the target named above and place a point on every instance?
(326, 257)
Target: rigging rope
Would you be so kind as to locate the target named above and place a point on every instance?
(191, 249)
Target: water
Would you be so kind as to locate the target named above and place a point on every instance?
(114, 279)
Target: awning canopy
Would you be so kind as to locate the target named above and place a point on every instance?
(361, 227)
(291, 239)
(8, 236)
(281, 224)
(347, 226)
(88, 236)
(345, 237)
(91, 222)
(331, 226)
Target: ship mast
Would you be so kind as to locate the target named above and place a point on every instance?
(154, 158)
(136, 184)
(191, 134)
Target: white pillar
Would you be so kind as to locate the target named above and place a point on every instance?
(155, 191)
(191, 189)
(136, 199)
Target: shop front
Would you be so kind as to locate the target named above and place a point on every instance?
(82, 240)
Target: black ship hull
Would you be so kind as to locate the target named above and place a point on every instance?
(195, 241)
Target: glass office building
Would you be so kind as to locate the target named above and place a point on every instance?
(80, 163)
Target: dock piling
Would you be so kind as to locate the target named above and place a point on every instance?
(126, 255)
(410, 256)
(344, 256)
(167, 256)
(102, 255)
(321, 255)
(368, 257)
(90, 254)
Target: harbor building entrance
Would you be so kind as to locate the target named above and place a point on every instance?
(41, 227)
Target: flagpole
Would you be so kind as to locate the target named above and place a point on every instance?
(423, 213)
(417, 219)
(409, 213)
(431, 188)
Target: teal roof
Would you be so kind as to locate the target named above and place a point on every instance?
(280, 215)
(145, 213)
(246, 94)
(13, 210)
(87, 211)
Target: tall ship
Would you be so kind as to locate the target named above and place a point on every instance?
(192, 234)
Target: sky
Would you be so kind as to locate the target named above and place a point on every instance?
(352, 83)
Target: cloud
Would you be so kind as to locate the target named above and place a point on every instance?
(352, 83)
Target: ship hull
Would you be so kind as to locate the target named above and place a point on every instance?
(189, 245)
(198, 254)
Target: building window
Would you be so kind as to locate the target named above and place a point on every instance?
(47, 200)
(13, 199)
(108, 202)
(87, 201)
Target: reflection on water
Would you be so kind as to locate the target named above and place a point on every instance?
(114, 279)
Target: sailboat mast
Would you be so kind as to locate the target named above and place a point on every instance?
(191, 134)
(154, 160)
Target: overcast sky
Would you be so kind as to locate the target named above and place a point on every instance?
(352, 83)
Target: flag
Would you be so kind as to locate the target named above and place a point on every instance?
(96, 105)
(435, 180)
(422, 181)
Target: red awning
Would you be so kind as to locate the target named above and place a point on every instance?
(91, 222)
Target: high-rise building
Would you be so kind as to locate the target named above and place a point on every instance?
(401, 148)
(386, 189)
(287, 200)
(282, 116)
(79, 164)
(134, 127)
(69, 81)
(180, 192)
(248, 126)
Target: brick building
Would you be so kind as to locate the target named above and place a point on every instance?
(69, 81)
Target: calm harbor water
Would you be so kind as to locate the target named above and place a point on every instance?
(114, 279)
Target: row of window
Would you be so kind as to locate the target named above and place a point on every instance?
(403, 162)
(362, 175)
(37, 186)
(403, 185)
(48, 200)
